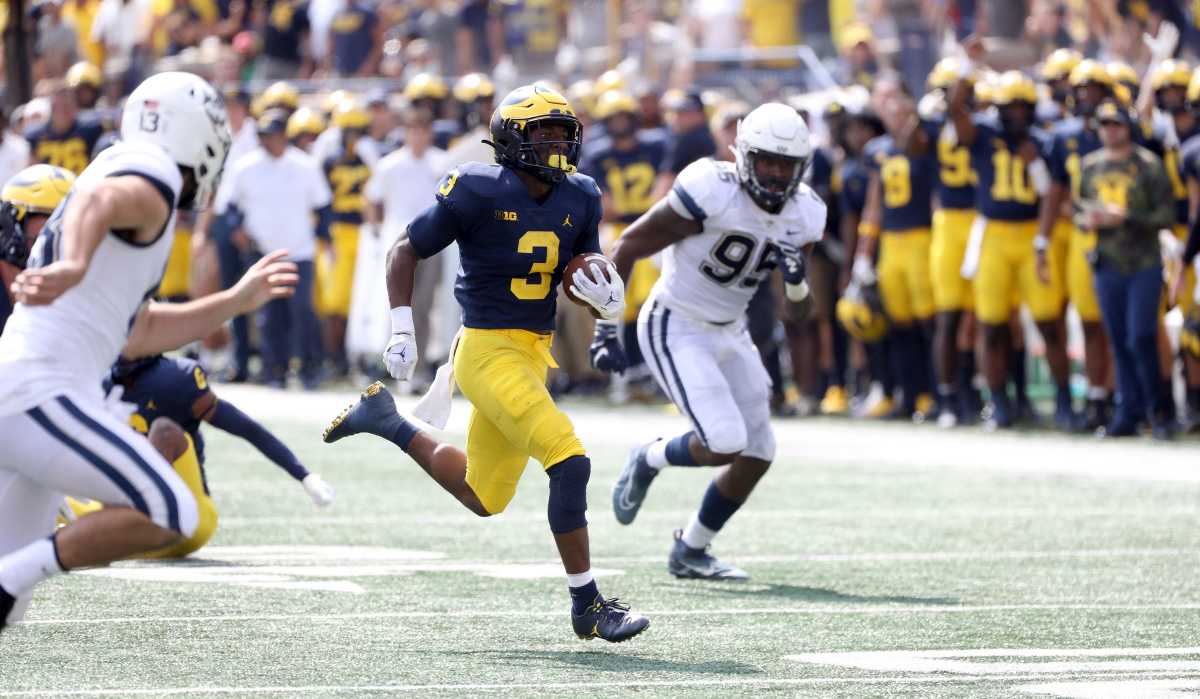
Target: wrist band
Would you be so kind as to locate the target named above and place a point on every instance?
(402, 320)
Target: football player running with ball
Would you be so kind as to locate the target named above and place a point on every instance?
(724, 228)
(517, 224)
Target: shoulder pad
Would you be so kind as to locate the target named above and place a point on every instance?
(709, 183)
(807, 216)
(470, 179)
(584, 183)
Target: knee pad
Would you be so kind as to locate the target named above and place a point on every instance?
(567, 508)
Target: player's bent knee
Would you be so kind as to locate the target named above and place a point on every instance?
(728, 438)
(168, 438)
(567, 507)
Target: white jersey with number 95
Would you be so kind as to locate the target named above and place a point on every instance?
(712, 275)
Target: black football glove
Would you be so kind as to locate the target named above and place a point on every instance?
(605, 351)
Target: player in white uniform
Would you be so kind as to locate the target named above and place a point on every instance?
(81, 302)
(724, 228)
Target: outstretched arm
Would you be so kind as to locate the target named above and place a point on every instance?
(226, 416)
(654, 230)
(161, 327)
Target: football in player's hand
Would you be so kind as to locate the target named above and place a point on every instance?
(589, 262)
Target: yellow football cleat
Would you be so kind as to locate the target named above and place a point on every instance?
(835, 401)
(880, 409)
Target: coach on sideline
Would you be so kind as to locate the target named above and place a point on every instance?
(277, 189)
(1125, 199)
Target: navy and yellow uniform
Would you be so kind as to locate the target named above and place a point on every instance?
(1067, 256)
(1189, 163)
(952, 221)
(628, 177)
(826, 180)
(855, 177)
(70, 150)
(346, 176)
(172, 388)
(1006, 198)
(904, 243)
(1175, 160)
(513, 250)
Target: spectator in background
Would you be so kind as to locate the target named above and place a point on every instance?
(689, 140)
(355, 41)
(81, 14)
(474, 36)
(183, 26)
(534, 31)
(285, 31)
(279, 191)
(66, 140)
(859, 64)
(56, 46)
(14, 150)
(402, 185)
(715, 25)
(436, 22)
(122, 27)
(85, 80)
(771, 23)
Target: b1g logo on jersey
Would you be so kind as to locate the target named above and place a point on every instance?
(730, 260)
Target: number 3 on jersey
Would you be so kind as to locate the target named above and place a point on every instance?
(536, 285)
(731, 255)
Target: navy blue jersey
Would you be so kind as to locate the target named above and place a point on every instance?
(1173, 161)
(955, 186)
(1004, 192)
(907, 184)
(166, 387)
(627, 176)
(445, 132)
(1189, 158)
(286, 25)
(70, 150)
(688, 147)
(1070, 140)
(512, 248)
(352, 30)
(347, 177)
(5, 308)
(855, 177)
(826, 182)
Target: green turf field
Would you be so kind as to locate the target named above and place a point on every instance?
(887, 560)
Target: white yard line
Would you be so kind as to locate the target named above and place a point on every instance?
(1000, 660)
(623, 684)
(762, 611)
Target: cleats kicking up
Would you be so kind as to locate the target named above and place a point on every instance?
(373, 413)
(687, 562)
(609, 620)
(629, 492)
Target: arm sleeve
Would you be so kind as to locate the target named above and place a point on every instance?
(1056, 157)
(229, 418)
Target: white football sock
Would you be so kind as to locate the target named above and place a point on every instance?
(579, 579)
(696, 535)
(28, 566)
(656, 455)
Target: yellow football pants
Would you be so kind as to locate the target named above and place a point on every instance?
(188, 468)
(513, 417)
(179, 266)
(1007, 263)
(1186, 300)
(904, 275)
(951, 232)
(1081, 289)
(335, 284)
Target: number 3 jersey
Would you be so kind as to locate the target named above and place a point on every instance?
(512, 248)
(711, 276)
(70, 344)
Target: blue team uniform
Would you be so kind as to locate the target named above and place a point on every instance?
(855, 176)
(513, 248)
(71, 150)
(1009, 195)
(627, 176)
(907, 181)
(166, 387)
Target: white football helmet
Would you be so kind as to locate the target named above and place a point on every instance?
(184, 115)
(772, 129)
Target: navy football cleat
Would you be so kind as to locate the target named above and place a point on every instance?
(373, 413)
(610, 620)
(629, 492)
(7, 602)
(687, 562)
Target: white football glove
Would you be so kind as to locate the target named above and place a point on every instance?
(321, 492)
(863, 270)
(607, 297)
(400, 356)
(120, 409)
(1163, 44)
